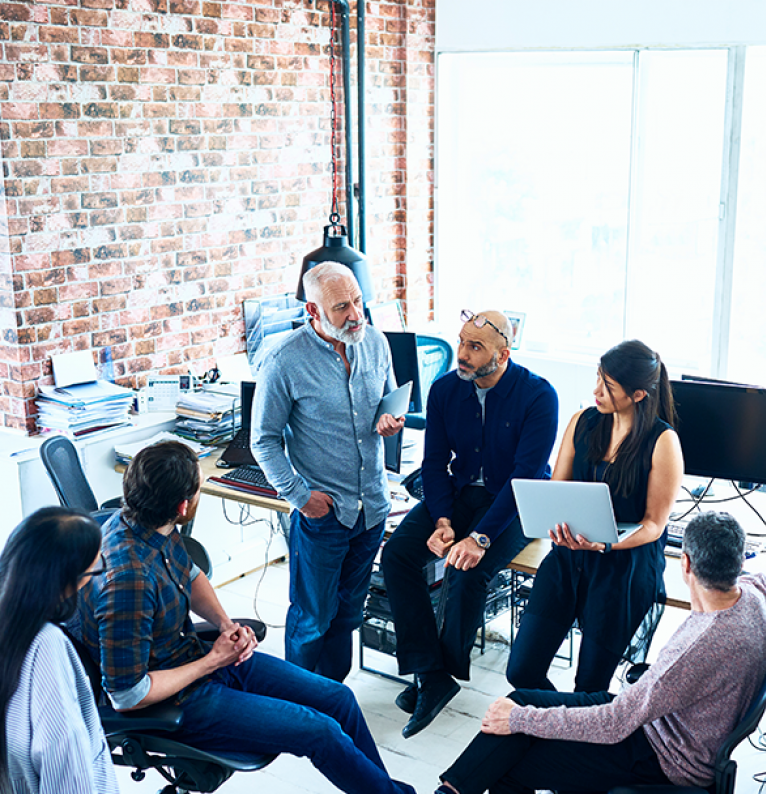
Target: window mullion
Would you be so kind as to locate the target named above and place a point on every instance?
(728, 211)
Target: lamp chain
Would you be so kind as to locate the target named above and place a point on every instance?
(334, 215)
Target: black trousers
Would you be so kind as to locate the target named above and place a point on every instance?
(420, 648)
(519, 764)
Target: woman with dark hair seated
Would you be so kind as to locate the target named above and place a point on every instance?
(626, 440)
(51, 739)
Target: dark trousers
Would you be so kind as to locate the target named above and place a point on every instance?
(519, 764)
(420, 648)
(537, 642)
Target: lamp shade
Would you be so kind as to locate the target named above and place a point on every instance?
(337, 249)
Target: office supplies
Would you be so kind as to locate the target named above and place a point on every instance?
(586, 507)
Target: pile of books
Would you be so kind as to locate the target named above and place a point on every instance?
(209, 417)
(82, 409)
(124, 453)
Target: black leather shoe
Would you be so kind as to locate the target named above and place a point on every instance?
(433, 696)
(407, 699)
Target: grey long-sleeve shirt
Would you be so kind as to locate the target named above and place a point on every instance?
(688, 701)
(327, 417)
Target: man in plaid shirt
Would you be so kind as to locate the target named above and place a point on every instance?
(136, 623)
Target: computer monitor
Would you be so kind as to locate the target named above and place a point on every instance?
(404, 355)
(392, 446)
(722, 428)
(267, 320)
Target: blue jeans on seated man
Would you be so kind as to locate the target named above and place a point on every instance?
(267, 705)
(330, 567)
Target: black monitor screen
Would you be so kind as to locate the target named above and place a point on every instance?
(392, 446)
(404, 355)
(722, 430)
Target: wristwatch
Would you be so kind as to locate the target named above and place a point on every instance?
(607, 548)
(482, 541)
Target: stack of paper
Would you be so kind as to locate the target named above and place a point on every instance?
(124, 453)
(208, 417)
(82, 409)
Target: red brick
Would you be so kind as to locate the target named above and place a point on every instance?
(84, 18)
(59, 110)
(97, 55)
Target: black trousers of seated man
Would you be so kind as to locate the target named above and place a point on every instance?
(420, 647)
(519, 764)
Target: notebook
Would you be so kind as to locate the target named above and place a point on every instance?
(586, 507)
(238, 452)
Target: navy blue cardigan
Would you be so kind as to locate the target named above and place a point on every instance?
(515, 441)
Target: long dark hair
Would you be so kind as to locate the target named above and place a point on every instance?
(634, 367)
(40, 566)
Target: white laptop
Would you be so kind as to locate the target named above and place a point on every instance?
(586, 508)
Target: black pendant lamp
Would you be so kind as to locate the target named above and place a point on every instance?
(335, 246)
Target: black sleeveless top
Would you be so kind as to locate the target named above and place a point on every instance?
(612, 592)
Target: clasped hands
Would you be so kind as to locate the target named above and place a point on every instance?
(561, 536)
(235, 644)
(463, 555)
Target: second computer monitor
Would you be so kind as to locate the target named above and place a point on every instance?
(404, 354)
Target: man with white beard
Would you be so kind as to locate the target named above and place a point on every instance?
(321, 388)
(487, 422)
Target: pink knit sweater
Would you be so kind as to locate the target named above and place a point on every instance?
(688, 701)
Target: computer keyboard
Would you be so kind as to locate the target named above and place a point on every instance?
(676, 531)
(248, 478)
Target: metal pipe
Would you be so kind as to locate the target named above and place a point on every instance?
(346, 46)
(360, 56)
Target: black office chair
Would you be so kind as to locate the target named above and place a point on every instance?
(144, 740)
(62, 463)
(725, 766)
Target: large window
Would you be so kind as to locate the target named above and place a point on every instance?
(591, 191)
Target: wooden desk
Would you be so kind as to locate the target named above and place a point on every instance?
(209, 469)
(528, 561)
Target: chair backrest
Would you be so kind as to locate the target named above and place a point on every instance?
(725, 767)
(434, 359)
(62, 463)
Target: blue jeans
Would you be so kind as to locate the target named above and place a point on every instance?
(330, 568)
(267, 705)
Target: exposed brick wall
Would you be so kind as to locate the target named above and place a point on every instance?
(165, 159)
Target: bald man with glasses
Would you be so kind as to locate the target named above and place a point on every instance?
(487, 422)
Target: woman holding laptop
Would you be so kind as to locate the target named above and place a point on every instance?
(627, 441)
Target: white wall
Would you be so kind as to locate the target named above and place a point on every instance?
(476, 25)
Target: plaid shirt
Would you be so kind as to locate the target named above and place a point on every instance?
(135, 618)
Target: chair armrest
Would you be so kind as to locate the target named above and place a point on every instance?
(112, 504)
(209, 633)
(162, 717)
